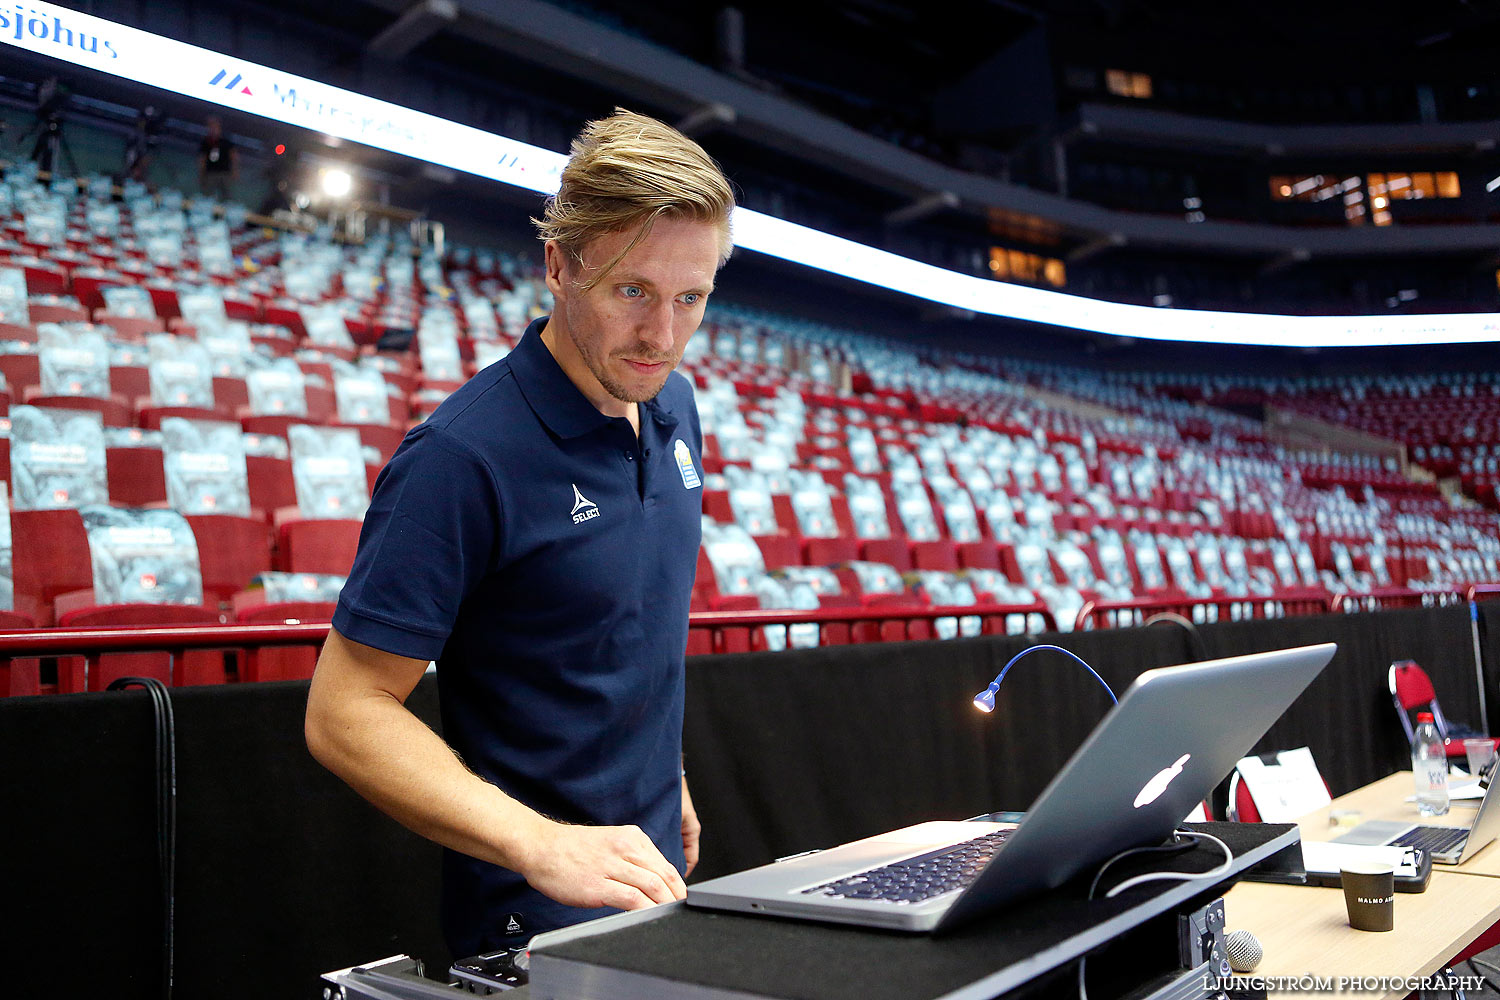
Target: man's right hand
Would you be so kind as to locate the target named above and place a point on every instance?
(592, 866)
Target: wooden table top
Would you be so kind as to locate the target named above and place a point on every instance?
(1305, 930)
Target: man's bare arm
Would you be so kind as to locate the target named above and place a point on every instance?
(359, 728)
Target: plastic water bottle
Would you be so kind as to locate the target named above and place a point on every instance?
(1429, 766)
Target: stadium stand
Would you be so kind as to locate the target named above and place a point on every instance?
(840, 470)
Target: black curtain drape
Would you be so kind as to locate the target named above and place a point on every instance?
(284, 873)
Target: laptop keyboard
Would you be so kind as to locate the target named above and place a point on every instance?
(1433, 839)
(920, 878)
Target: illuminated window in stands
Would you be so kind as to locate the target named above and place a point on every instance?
(1124, 83)
(1379, 190)
(1033, 269)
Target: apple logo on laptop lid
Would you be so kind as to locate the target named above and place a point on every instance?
(1152, 789)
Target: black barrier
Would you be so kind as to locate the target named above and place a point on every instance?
(806, 749)
(1488, 621)
(1347, 716)
(284, 873)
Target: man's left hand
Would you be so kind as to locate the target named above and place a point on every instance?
(690, 830)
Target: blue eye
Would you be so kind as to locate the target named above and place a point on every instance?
(691, 298)
(631, 291)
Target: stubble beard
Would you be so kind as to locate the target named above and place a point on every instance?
(619, 390)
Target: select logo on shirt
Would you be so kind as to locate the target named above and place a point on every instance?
(584, 509)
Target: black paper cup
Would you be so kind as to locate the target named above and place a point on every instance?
(1370, 896)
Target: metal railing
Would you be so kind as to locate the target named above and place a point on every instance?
(1390, 598)
(727, 631)
(736, 631)
(746, 631)
(176, 641)
(1199, 610)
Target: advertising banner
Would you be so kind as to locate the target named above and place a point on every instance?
(361, 395)
(7, 573)
(129, 300)
(205, 466)
(13, 296)
(277, 388)
(142, 556)
(181, 372)
(56, 458)
(73, 362)
(283, 587)
(328, 470)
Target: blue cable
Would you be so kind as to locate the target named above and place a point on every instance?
(985, 702)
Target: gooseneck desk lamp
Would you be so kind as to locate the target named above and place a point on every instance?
(985, 700)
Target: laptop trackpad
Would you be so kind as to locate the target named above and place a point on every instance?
(1375, 831)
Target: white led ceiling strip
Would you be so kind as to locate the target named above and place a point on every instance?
(201, 73)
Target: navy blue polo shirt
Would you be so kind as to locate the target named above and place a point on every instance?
(544, 557)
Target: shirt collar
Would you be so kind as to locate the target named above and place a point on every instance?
(551, 394)
(554, 398)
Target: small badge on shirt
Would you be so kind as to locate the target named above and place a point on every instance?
(685, 466)
(513, 924)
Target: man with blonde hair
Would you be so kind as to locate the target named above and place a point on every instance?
(537, 537)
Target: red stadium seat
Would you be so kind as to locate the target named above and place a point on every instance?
(22, 676)
(279, 663)
(113, 412)
(50, 556)
(131, 382)
(831, 551)
(271, 483)
(287, 317)
(384, 438)
(88, 289)
(978, 555)
(231, 551)
(321, 405)
(151, 416)
(230, 394)
(893, 551)
(269, 423)
(24, 334)
(201, 666)
(935, 555)
(136, 476)
(58, 313)
(317, 546)
(20, 371)
(130, 327)
(716, 505)
(779, 550)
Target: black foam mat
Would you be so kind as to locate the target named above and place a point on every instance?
(796, 959)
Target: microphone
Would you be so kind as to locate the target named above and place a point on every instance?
(985, 700)
(1244, 951)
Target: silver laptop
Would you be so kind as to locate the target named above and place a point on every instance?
(1174, 735)
(1448, 845)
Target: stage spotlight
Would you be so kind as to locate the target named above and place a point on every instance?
(337, 183)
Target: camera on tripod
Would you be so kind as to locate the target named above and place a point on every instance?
(52, 97)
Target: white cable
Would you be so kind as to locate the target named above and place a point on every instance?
(1153, 877)
(1222, 869)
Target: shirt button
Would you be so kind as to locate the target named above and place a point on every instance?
(629, 457)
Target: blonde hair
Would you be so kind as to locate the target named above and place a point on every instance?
(626, 171)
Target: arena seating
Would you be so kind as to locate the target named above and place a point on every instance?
(838, 470)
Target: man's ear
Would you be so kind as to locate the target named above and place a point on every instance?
(555, 261)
